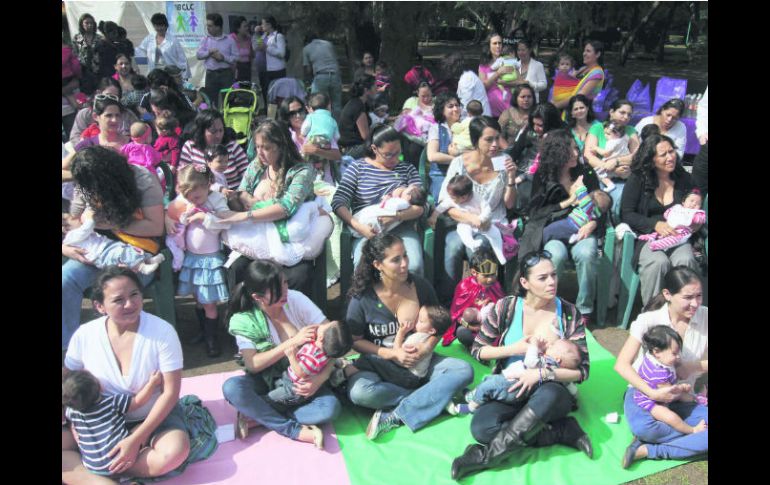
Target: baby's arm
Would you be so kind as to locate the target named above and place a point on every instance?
(403, 330)
(143, 396)
(294, 363)
(665, 415)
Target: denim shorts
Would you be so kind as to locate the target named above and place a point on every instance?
(174, 420)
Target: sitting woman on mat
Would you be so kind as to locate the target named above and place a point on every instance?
(268, 320)
(382, 283)
(122, 349)
(678, 305)
(503, 428)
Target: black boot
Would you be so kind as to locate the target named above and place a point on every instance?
(210, 336)
(515, 434)
(565, 431)
(198, 337)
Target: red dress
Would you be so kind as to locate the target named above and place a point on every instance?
(469, 293)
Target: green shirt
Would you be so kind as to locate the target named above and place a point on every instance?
(597, 129)
(298, 187)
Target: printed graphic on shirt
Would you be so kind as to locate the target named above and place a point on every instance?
(384, 333)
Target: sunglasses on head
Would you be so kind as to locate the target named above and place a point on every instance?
(101, 97)
(533, 258)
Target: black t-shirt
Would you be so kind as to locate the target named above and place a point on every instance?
(349, 135)
(368, 316)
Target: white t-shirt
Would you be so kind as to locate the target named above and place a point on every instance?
(470, 87)
(678, 133)
(301, 312)
(695, 342)
(156, 348)
(490, 193)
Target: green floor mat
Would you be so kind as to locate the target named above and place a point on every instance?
(402, 457)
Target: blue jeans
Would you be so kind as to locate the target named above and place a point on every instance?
(416, 408)
(585, 255)
(247, 394)
(412, 243)
(331, 85)
(436, 179)
(76, 278)
(454, 252)
(617, 194)
(549, 401)
(495, 387)
(663, 441)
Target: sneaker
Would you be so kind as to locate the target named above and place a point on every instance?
(460, 409)
(381, 422)
(630, 455)
(337, 377)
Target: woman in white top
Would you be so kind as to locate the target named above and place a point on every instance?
(274, 46)
(122, 349)
(678, 306)
(531, 71)
(493, 185)
(162, 49)
(667, 119)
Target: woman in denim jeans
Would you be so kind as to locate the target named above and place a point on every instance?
(267, 318)
(381, 284)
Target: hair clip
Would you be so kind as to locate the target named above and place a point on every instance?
(200, 168)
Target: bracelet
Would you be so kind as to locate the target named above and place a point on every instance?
(511, 185)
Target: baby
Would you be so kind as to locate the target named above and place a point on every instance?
(102, 251)
(140, 152)
(616, 146)
(218, 158)
(566, 64)
(460, 191)
(432, 321)
(98, 420)
(663, 346)
(507, 59)
(379, 115)
(681, 217)
(541, 354)
(400, 199)
(589, 208)
(167, 143)
(319, 127)
(461, 133)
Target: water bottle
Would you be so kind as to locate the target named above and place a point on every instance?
(688, 106)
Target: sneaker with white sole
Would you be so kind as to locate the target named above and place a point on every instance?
(381, 423)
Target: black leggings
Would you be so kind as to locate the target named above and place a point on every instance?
(549, 401)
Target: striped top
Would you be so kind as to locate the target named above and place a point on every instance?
(236, 166)
(585, 211)
(654, 374)
(364, 184)
(311, 358)
(100, 429)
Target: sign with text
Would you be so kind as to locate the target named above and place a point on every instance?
(187, 22)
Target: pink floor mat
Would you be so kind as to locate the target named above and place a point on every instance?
(264, 456)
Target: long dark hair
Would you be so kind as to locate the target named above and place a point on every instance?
(550, 116)
(278, 132)
(555, 152)
(261, 276)
(486, 52)
(643, 162)
(517, 91)
(80, 23)
(366, 275)
(283, 110)
(380, 135)
(361, 85)
(477, 125)
(202, 122)
(590, 116)
(598, 47)
(107, 182)
(440, 102)
(526, 264)
(677, 278)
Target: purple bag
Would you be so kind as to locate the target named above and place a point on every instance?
(639, 96)
(668, 88)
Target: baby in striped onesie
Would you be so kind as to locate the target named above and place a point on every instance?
(590, 206)
(663, 345)
(681, 217)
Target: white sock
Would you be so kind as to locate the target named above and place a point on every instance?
(158, 258)
(147, 268)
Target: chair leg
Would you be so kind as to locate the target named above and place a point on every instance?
(162, 290)
(346, 262)
(629, 282)
(318, 290)
(604, 277)
(428, 248)
(633, 289)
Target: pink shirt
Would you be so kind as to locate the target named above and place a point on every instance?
(495, 95)
(198, 239)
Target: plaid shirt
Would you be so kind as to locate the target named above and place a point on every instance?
(493, 331)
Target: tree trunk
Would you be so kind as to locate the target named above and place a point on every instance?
(400, 33)
(664, 31)
(630, 40)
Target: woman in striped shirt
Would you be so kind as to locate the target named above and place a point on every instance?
(365, 182)
(506, 428)
(209, 131)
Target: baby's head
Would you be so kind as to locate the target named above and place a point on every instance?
(472, 315)
(509, 48)
(318, 101)
(601, 200)
(664, 343)
(381, 68)
(80, 390)
(613, 130)
(166, 125)
(381, 111)
(434, 320)
(475, 108)
(460, 188)
(334, 338)
(483, 265)
(566, 63)
(140, 132)
(693, 199)
(415, 195)
(139, 82)
(217, 158)
(565, 352)
(194, 183)
(651, 129)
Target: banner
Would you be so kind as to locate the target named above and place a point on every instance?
(187, 22)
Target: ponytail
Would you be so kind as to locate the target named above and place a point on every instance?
(676, 278)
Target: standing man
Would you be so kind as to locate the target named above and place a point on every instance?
(220, 54)
(321, 66)
(162, 49)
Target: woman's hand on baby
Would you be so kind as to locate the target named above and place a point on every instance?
(407, 356)
(124, 453)
(197, 217)
(305, 335)
(528, 379)
(72, 252)
(662, 228)
(576, 185)
(308, 386)
(586, 230)
(664, 394)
